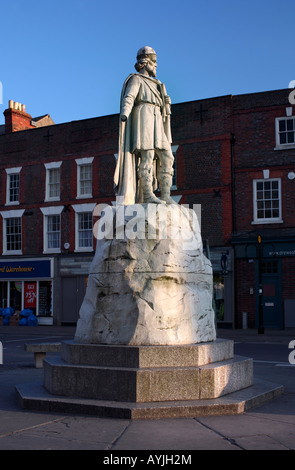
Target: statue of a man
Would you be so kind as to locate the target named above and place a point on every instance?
(145, 157)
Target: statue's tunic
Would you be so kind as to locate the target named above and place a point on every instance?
(147, 127)
(143, 99)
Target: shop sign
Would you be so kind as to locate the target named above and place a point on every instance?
(25, 269)
(268, 249)
(30, 294)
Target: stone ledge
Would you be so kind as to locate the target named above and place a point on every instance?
(225, 377)
(147, 384)
(36, 397)
(147, 356)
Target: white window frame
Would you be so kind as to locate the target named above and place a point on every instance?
(270, 220)
(11, 172)
(13, 214)
(174, 150)
(80, 209)
(49, 167)
(82, 162)
(47, 212)
(280, 146)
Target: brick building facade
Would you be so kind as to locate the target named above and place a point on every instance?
(52, 176)
(265, 199)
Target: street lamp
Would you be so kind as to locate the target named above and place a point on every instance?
(260, 326)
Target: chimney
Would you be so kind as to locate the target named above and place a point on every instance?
(16, 118)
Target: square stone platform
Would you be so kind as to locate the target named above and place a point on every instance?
(147, 381)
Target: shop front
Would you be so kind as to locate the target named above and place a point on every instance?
(28, 284)
(268, 268)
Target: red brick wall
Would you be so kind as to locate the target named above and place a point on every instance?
(203, 162)
(17, 120)
(96, 138)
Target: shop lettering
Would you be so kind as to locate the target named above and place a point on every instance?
(19, 269)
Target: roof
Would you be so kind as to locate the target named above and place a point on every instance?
(42, 121)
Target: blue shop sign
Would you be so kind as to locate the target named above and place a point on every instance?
(25, 269)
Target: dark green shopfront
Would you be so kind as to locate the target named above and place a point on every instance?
(265, 280)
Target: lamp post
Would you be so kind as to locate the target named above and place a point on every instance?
(260, 326)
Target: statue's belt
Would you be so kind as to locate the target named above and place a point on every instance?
(147, 102)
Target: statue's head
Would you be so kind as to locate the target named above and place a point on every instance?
(146, 58)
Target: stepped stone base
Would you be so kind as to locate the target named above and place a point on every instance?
(36, 397)
(138, 382)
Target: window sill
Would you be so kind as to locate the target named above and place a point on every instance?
(12, 252)
(267, 221)
(52, 199)
(285, 147)
(14, 203)
(84, 196)
(52, 252)
(83, 250)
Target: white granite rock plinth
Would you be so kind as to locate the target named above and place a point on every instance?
(149, 282)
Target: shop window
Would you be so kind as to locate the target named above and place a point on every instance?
(3, 294)
(15, 295)
(30, 296)
(34, 295)
(45, 299)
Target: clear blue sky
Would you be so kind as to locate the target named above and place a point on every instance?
(69, 58)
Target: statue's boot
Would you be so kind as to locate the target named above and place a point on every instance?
(146, 183)
(165, 181)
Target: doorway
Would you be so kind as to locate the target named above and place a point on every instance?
(73, 291)
(271, 294)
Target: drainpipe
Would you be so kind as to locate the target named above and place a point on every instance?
(233, 199)
(233, 196)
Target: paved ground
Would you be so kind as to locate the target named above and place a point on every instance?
(268, 427)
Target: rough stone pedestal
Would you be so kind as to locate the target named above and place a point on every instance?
(149, 282)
